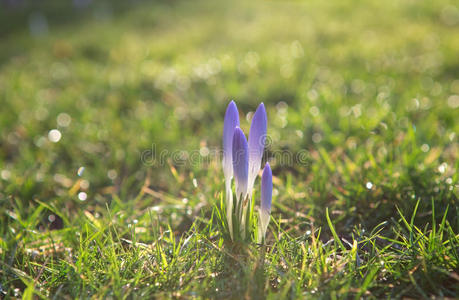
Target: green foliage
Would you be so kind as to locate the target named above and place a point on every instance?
(241, 232)
(362, 103)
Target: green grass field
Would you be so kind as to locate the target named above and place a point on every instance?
(111, 120)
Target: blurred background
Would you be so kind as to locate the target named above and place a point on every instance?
(92, 91)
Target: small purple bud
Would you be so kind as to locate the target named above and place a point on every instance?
(231, 121)
(257, 140)
(240, 162)
(266, 189)
(266, 198)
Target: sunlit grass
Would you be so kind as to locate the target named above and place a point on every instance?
(363, 97)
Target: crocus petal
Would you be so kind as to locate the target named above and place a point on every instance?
(240, 162)
(266, 198)
(231, 121)
(257, 139)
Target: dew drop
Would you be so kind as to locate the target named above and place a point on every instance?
(453, 101)
(63, 120)
(40, 141)
(112, 174)
(442, 167)
(313, 95)
(299, 133)
(316, 137)
(425, 148)
(51, 218)
(204, 151)
(80, 171)
(5, 174)
(314, 111)
(84, 184)
(82, 196)
(156, 208)
(54, 135)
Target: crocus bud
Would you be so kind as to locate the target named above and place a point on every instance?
(266, 198)
(231, 121)
(240, 163)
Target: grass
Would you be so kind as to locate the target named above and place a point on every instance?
(362, 103)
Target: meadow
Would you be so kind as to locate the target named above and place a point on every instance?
(111, 117)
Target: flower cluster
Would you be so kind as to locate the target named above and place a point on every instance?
(242, 160)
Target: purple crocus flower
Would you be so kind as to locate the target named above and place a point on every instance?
(266, 198)
(242, 160)
(240, 163)
(257, 139)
